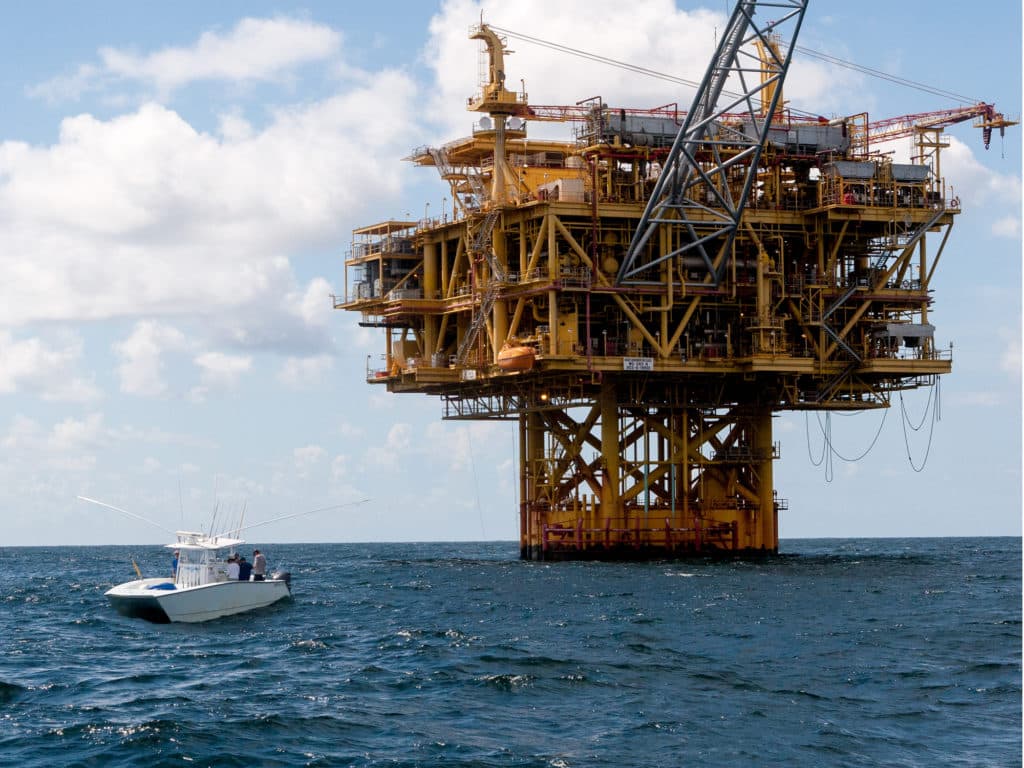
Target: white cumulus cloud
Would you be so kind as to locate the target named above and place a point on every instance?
(77, 434)
(1007, 226)
(48, 369)
(221, 369)
(306, 457)
(144, 214)
(253, 50)
(970, 180)
(141, 369)
(397, 441)
(305, 372)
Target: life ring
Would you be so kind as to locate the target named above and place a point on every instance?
(955, 202)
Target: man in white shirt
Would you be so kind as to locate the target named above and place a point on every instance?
(259, 565)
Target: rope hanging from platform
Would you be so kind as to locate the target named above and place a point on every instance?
(932, 414)
(476, 481)
(828, 449)
(932, 408)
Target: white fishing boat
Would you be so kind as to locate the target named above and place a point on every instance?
(203, 586)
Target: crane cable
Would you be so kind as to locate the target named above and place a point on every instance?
(896, 79)
(834, 60)
(595, 57)
(620, 64)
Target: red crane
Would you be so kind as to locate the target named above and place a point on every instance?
(985, 117)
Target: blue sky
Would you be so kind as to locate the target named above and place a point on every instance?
(178, 186)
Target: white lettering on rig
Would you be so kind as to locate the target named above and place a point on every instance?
(638, 363)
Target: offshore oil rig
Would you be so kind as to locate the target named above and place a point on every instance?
(643, 297)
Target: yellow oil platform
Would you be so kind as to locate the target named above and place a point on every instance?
(644, 297)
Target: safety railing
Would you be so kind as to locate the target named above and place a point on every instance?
(639, 534)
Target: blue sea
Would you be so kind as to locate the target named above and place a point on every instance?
(842, 652)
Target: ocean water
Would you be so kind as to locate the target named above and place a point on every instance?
(866, 652)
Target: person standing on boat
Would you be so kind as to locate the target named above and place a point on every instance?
(174, 565)
(259, 565)
(244, 568)
(233, 568)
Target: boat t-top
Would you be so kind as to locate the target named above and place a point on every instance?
(203, 586)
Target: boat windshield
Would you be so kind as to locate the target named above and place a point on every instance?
(200, 566)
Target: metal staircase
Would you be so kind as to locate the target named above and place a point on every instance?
(481, 249)
(453, 174)
(479, 319)
(832, 332)
(482, 244)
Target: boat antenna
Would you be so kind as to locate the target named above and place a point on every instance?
(298, 514)
(125, 512)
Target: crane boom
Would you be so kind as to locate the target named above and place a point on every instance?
(985, 117)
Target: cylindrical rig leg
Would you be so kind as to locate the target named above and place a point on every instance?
(532, 479)
(767, 535)
(524, 493)
(610, 505)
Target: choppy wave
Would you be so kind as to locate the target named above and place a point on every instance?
(843, 652)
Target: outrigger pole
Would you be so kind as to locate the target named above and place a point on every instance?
(236, 531)
(125, 512)
(300, 514)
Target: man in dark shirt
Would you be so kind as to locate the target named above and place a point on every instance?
(244, 569)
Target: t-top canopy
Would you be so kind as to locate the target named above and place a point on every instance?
(194, 540)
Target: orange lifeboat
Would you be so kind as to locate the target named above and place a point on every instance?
(516, 358)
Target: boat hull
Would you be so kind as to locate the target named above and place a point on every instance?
(139, 599)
